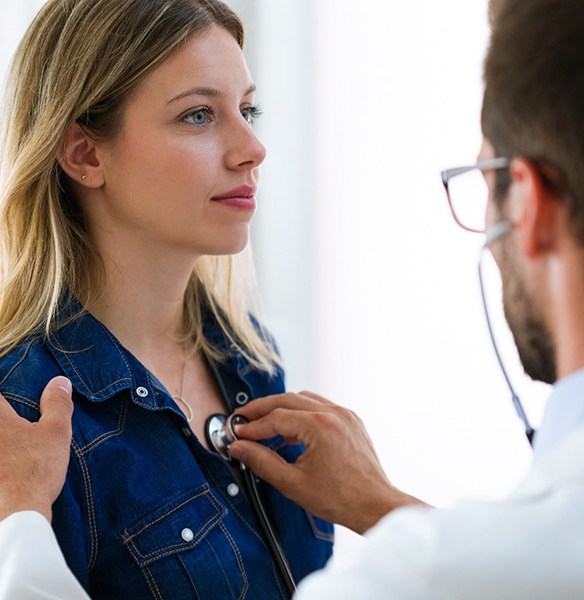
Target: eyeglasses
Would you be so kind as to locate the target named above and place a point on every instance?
(467, 192)
(468, 195)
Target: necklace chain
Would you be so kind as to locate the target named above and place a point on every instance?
(179, 398)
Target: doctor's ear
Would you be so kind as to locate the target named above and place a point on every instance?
(534, 207)
(78, 157)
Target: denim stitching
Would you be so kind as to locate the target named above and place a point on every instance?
(239, 560)
(153, 388)
(90, 505)
(116, 344)
(209, 474)
(23, 400)
(168, 550)
(108, 434)
(89, 391)
(86, 481)
(24, 355)
(246, 370)
(152, 583)
(58, 344)
(205, 491)
(233, 507)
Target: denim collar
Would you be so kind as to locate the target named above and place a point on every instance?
(99, 367)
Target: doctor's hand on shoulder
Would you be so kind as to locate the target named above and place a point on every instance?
(34, 456)
(338, 477)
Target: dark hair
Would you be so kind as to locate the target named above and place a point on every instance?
(534, 89)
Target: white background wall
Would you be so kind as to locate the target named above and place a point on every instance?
(368, 284)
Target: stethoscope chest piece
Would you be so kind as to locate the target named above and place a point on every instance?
(220, 434)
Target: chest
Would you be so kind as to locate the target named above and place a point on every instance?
(148, 512)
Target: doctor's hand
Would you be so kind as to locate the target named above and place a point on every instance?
(34, 456)
(338, 477)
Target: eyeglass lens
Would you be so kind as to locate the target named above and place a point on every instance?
(469, 194)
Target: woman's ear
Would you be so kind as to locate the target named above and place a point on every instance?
(78, 158)
(533, 208)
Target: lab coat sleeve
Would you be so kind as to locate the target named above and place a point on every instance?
(31, 563)
(525, 548)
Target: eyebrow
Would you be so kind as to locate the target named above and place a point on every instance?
(209, 92)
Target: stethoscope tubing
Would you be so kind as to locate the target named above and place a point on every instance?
(496, 232)
(252, 491)
(220, 433)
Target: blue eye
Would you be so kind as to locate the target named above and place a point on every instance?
(199, 117)
(251, 113)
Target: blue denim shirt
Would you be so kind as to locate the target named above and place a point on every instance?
(147, 511)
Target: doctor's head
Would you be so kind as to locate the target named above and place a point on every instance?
(533, 114)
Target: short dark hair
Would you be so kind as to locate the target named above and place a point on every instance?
(534, 89)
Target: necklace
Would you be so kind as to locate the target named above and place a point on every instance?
(179, 398)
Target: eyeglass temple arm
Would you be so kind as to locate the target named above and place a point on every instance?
(483, 165)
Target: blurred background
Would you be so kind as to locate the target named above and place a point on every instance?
(368, 285)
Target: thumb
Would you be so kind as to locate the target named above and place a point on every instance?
(265, 464)
(56, 405)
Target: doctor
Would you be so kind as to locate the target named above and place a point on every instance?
(529, 546)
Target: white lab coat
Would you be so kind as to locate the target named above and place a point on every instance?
(530, 546)
(32, 566)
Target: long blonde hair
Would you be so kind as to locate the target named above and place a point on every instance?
(78, 62)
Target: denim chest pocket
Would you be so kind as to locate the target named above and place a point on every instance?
(184, 549)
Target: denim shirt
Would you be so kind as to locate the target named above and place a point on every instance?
(147, 511)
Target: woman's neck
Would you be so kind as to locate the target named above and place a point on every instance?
(142, 304)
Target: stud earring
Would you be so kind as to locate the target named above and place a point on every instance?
(83, 177)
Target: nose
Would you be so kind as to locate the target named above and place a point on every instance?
(246, 151)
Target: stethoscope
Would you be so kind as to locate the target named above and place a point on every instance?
(220, 434)
(495, 233)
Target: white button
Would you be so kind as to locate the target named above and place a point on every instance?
(241, 398)
(187, 535)
(142, 392)
(233, 489)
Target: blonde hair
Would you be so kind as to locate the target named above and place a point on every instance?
(78, 62)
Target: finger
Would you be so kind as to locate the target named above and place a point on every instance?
(264, 406)
(56, 406)
(321, 399)
(6, 411)
(265, 464)
(291, 424)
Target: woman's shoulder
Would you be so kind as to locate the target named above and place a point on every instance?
(24, 372)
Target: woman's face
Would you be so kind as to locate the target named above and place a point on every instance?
(181, 173)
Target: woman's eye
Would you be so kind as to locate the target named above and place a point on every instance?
(251, 113)
(199, 117)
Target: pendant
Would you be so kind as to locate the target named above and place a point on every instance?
(189, 411)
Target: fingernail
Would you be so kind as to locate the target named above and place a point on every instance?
(63, 384)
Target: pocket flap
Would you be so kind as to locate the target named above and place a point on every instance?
(180, 524)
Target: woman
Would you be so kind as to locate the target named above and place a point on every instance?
(128, 182)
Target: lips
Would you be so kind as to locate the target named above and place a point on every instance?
(244, 191)
(242, 197)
